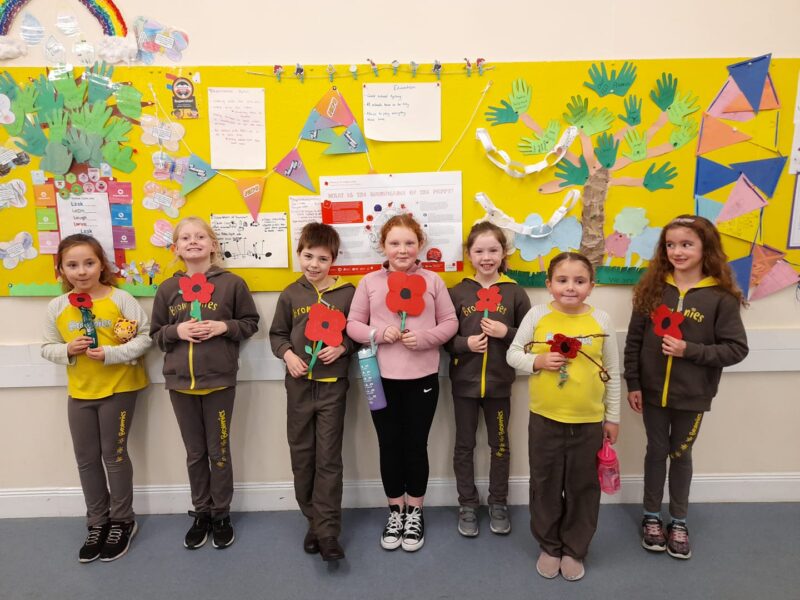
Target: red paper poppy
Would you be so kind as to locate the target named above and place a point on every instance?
(566, 346)
(197, 288)
(667, 322)
(80, 300)
(406, 293)
(325, 325)
(488, 298)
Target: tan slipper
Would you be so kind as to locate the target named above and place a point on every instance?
(547, 566)
(572, 568)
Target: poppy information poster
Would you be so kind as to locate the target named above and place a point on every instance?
(358, 206)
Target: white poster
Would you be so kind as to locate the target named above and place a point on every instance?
(403, 112)
(89, 214)
(236, 126)
(358, 206)
(245, 243)
(302, 210)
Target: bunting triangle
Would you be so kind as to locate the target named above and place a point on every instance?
(744, 227)
(750, 76)
(764, 258)
(742, 269)
(729, 92)
(350, 142)
(292, 167)
(781, 276)
(710, 176)
(743, 198)
(708, 208)
(332, 106)
(763, 130)
(769, 99)
(715, 134)
(763, 173)
(252, 190)
(198, 172)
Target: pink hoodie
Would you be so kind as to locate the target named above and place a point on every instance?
(435, 326)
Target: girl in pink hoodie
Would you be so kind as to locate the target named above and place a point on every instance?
(411, 314)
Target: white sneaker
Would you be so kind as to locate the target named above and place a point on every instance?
(393, 532)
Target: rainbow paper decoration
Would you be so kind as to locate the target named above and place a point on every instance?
(105, 11)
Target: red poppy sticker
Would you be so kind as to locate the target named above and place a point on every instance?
(667, 322)
(406, 295)
(568, 347)
(79, 300)
(324, 328)
(488, 299)
(197, 290)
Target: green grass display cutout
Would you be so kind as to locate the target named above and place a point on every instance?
(603, 274)
(54, 289)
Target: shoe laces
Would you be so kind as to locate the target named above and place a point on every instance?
(414, 522)
(653, 527)
(395, 523)
(94, 535)
(498, 511)
(679, 533)
(114, 534)
(467, 515)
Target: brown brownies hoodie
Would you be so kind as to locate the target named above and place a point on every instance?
(291, 315)
(214, 362)
(475, 375)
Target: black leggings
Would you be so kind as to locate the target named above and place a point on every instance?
(403, 428)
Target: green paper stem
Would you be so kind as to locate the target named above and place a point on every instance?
(194, 311)
(485, 313)
(315, 351)
(88, 326)
(402, 320)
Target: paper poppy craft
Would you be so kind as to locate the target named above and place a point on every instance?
(406, 295)
(570, 347)
(667, 322)
(83, 302)
(324, 328)
(197, 290)
(489, 299)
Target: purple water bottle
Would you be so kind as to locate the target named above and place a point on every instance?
(371, 374)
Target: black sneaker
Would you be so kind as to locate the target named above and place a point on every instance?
(198, 532)
(222, 533)
(94, 543)
(678, 540)
(119, 538)
(414, 529)
(392, 535)
(653, 537)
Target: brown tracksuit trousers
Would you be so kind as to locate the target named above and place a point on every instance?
(564, 489)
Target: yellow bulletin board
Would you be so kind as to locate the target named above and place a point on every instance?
(552, 87)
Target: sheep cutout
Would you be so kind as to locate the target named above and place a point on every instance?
(632, 236)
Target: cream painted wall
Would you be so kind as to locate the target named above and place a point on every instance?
(752, 428)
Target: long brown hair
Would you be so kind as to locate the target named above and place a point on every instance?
(78, 239)
(487, 227)
(647, 293)
(569, 256)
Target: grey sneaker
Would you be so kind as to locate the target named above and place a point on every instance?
(499, 519)
(468, 521)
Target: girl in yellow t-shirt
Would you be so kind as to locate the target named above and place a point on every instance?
(100, 334)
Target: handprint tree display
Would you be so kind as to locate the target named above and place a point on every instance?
(596, 166)
(85, 120)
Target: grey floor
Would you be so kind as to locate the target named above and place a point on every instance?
(741, 551)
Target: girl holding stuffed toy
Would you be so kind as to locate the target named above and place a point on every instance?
(199, 318)
(409, 311)
(570, 349)
(490, 306)
(100, 333)
(685, 327)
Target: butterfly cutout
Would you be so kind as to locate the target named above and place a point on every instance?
(12, 194)
(7, 117)
(157, 196)
(152, 268)
(154, 38)
(20, 248)
(163, 133)
(166, 168)
(162, 237)
(130, 272)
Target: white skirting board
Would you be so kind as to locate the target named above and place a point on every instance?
(175, 499)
